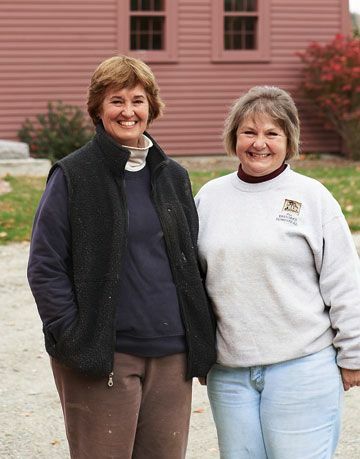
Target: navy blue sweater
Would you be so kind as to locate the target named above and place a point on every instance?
(148, 321)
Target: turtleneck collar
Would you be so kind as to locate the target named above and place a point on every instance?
(264, 178)
(116, 156)
(137, 158)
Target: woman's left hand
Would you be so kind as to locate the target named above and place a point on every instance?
(350, 378)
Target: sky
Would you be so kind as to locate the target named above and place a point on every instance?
(354, 6)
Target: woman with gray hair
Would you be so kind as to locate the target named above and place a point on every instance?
(283, 276)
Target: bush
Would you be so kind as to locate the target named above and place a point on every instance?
(332, 82)
(57, 133)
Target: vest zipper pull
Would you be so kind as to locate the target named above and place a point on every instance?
(110, 380)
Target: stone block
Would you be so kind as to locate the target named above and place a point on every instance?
(10, 149)
(30, 166)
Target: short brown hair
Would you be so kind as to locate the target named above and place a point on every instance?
(268, 100)
(120, 72)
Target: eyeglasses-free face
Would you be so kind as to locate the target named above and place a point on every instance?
(261, 145)
(125, 114)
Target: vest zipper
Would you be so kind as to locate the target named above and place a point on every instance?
(110, 380)
(122, 185)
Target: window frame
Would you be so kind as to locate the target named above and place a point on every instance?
(170, 51)
(220, 54)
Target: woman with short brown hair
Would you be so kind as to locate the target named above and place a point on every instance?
(113, 269)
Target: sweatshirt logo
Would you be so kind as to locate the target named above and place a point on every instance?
(289, 212)
(291, 206)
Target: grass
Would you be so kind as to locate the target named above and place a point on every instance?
(344, 184)
(17, 208)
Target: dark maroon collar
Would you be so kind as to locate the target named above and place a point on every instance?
(252, 179)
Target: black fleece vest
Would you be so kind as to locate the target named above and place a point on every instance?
(98, 217)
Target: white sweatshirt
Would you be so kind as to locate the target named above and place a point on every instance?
(281, 270)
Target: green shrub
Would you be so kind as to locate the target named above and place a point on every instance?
(57, 133)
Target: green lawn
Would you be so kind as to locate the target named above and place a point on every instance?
(344, 184)
(17, 208)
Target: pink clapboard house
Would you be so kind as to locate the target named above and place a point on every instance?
(203, 52)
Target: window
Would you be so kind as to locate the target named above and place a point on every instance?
(241, 30)
(147, 22)
(147, 29)
(240, 23)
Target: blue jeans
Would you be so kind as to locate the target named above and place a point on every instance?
(289, 410)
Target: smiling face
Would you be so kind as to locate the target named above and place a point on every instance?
(261, 145)
(125, 114)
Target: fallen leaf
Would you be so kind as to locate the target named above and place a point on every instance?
(199, 410)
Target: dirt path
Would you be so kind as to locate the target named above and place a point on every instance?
(31, 423)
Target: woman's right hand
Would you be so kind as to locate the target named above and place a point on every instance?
(350, 378)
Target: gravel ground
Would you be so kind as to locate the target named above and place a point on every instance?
(31, 423)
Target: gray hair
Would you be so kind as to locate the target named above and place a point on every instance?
(268, 100)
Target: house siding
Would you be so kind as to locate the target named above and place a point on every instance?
(49, 50)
